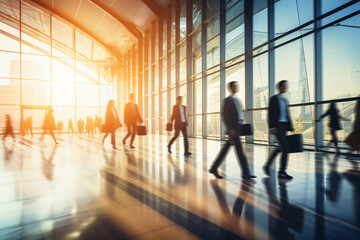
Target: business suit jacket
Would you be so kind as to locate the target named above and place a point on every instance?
(274, 114)
(230, 114)
(176, 115)
(131, 114)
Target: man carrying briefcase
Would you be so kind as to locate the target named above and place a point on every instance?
(279, 121)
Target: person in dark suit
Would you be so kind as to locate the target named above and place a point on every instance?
(131, 118)
(279, 121)
(233, 117)
(334, 124)
(112, 122)
(181, 122)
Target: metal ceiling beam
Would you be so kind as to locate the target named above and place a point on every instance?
(110, 48)
(129, 26)
(154, 7)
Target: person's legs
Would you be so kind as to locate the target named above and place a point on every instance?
(53, 136)
(113, 139)
(177, 132)
(219, 159)
(241, 157)
(31, 132)
(133, 133)
(128, 127)
(106, 134)
(186, 141)
(284, 149)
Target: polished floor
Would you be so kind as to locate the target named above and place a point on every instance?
(81, 189)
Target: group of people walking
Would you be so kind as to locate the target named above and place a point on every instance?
(279, 121)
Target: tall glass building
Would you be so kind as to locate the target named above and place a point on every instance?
(191, 48)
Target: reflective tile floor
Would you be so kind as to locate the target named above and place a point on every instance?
(81, 189)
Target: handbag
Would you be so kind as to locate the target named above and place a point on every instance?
(294, 143)
(246, 130)
(141, 130)
(353, 140)
(169, 127)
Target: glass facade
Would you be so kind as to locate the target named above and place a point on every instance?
(46, 62)
(207, 51)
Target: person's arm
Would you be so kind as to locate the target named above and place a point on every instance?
(172, 115)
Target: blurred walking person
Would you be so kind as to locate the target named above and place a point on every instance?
(49, 126)
(8, 128)
(334, 124)
(70, 126)
(279, 120)
(28, 126)
(131, 118)
(112, 122)
(233, 118)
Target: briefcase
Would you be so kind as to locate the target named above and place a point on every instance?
(294, 143)
(353, 140)
(169, 127)
(141, 130)
(246, 130)
(104, 128)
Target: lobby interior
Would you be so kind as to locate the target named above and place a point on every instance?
(73, 56)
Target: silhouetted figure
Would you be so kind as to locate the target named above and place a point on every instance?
(112, 122)
(70, 126)
(88, 125)
(279, 120)
(131, 118)
(334, 124)
(180, 117)
(28, 126)
(49, 126)
(355, 134)
(97, 124)
(8, 128)
(22, 127)
(233, 118)
(80, 126)
(356, 125)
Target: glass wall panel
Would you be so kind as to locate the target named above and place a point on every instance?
(64, 114)
(261, 127)
(62, 32)
(237, 74)
(294, 62)
(86, 72)
(87, 95)
(107, 92)
(63, 69)
(234, 29)
(84, 112)
(260, 34)
(182, 19)
(83, 45)
(198, 125)
(35, 67)
(164, 73)
(303, 122)
(213, 125)
(34, 42)
(213, 93)
(328, 5)
(63, 94)
(9, 65)
(9, 91)
(196, 13)
(36, 93)
(341, 62)
(198, 96)
(11, 10)
(35, 18)
(261, 81)
(197, 55)
(212, 6)
(9, 34)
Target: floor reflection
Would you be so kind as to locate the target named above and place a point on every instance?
(82, 189)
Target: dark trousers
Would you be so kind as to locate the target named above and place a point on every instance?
(240, 155)
(334, 137)
(282, 147)
(112, 137)
(131, 131)
(180, 127)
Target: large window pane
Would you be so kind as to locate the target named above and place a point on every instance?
(182, 19)
(64, 114)
(260, 34)
(62, 32)
(328, 5)
(261, 81)
(63, 69)
(260, 125)
(341, 62)
(294, 62)
(84, 112)
(83, 45)
(86, 72)
(107, 92)
(9, 65)
(213, 92)
(35, 67)
(63, 94)
(9, 35)
(196, 13)
(35, 93)
(237, 74)
(9, 91)
(87, 95)
(35, 18)
(213, 125)
(303, 122)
